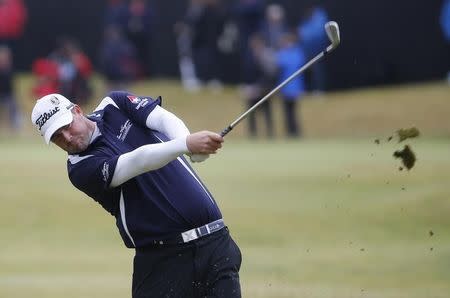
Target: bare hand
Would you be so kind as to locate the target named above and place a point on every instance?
(204, 142)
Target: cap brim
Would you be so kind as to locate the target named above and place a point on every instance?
(63, 120)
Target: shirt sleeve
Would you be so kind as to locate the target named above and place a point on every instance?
(167, 123)
(147, 158)
(92, 175)
(137, 108)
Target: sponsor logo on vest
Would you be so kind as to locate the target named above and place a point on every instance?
(142, 103)
(105, 171)
(134, 99)
(41, 120)
(124, 129)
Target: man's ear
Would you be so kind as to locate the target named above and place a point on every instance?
(77, 110)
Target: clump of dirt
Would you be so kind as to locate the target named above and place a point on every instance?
(407, 133)
(407, 156)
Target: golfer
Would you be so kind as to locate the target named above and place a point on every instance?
(128, 156)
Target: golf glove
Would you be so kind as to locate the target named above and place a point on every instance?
(198, 157)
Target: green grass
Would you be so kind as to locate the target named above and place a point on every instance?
(327, 216)
(315, 218)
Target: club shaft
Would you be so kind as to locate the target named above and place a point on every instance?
(281, 85)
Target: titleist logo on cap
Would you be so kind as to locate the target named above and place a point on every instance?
(42, 119)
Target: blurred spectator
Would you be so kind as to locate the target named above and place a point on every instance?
(264, 76)
(115, 13)
(290, 58)
(445, 24)
(314, 39)
(274, 25)
(207, 23)
(13, 16)
(7, 97)
(249, 17)
(67, 70)
(74, 70)
(184, 35)
(261, 65)
(118, 62)
(47, 79)
(139, 20)
(81, 85)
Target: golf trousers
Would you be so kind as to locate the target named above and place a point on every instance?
(205, 267)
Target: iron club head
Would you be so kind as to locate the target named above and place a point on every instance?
(332, 29)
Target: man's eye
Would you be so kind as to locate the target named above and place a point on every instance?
(64, 128)
(58, 133)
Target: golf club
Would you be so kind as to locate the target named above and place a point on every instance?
(332, 30)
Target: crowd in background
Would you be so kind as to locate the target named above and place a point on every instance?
(269, 51)
(267, 47)
(124, 54)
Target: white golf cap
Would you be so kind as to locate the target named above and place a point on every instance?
(50, 113)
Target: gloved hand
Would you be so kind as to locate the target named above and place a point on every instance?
(198, 157)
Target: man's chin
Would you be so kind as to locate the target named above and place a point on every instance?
(76, 150)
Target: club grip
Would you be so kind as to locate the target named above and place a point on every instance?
(226, 131)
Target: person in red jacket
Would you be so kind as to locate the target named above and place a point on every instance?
(13, 17)
(66, 70)
(47, 78)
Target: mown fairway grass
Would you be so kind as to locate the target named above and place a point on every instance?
(319, 217)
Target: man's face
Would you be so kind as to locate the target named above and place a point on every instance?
(74, 137)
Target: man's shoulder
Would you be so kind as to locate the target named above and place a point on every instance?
(106, 111)
(86, 157)
(82, 165)
(74, 159)
(106, 101)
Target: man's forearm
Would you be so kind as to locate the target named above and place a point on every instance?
(147, 158)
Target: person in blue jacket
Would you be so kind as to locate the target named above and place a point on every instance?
(311, 32)
(128, 156)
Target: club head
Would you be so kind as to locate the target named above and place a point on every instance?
(332, 29)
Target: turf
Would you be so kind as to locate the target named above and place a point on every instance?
(326, 216)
